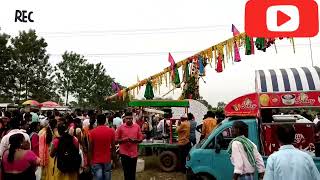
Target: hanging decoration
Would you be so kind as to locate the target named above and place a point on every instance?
(186, 75)
(219, 54)
(219, 67)
(176, 80)
(172, 65)
(148, 94)
(261, 44)
(201, 66)
(236, 48)
(249, 46)
(270, 41)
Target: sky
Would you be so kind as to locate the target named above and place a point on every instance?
(133, 38)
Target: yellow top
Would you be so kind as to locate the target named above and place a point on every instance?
(207, 126)
(183, 133)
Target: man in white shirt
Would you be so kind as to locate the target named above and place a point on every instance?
(117, 121)
(14, 123)
(244, 154)
(290, 163)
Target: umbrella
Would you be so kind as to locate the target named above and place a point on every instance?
(49, 104)
(31, 103)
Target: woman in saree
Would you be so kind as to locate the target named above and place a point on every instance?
(46, 136)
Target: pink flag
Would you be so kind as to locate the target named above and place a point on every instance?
(172, 64)
(235, 30)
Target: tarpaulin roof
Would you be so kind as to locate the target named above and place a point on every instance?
(291, 79)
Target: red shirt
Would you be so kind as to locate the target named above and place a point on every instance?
(101, 138)
(34, 138)
(125, 132)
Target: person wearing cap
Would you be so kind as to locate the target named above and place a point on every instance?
(183, 131)
(129, 135)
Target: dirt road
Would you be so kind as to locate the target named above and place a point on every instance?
(151, 172)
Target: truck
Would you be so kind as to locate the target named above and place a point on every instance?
(209, 159)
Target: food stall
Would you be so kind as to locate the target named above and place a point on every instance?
(166, 147)
(277, 89)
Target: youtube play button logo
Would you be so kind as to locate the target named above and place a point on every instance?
(283, 18)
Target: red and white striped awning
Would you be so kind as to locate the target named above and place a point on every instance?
(291, 79)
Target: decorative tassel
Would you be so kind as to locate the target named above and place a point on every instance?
(166, 79)
(261, 44)
(236, 53)
(201, 66)
(209, 55)
(186, 75)
(252, 45)
(219, 67)
(124, 96)
(176, 78)
(215, 54)
(148, 94)
(269, 42)
(249, 46)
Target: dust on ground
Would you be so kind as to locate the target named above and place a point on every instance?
(151, 172)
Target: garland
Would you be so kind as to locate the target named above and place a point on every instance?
(219, 54)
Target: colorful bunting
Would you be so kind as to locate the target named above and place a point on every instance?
(201, 66)
(148, 94)
(220, 53)
(219, 67)
(236, 53)
(261, 44)
(234, 30)
(186, 75)
(172, 65)
(176, 80)
(249, 45)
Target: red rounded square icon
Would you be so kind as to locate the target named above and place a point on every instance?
(281, 18)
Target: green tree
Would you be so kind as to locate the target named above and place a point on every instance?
(205, 102)
(34, 73)
(221, 105)
(92, 86)
(68, 72)
(7, 70)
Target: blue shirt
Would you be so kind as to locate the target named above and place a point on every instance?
(290, 163)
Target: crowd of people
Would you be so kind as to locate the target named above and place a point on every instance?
(71, 146)
(82, 145)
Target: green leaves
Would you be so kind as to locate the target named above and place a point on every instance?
(34, 74)
(25, 70)
(85, 81)
(27, 74)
